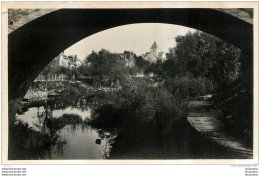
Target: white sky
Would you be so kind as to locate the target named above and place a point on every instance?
(134, 37)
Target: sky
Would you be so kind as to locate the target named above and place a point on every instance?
(135, 37)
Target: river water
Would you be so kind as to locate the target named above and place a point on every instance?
(65, 133)
(75, 141)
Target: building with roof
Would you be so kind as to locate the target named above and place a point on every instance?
(127, 57)
(154, 54)
(68, 61)
(61, 60)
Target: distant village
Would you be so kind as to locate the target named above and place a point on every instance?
(72, 61)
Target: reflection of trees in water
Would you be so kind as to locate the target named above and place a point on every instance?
(50, 105)
(114, 142)
(56, 104)
(107, 137)
(43, 141)
(26, 143)
(54, 125)
(58, 149)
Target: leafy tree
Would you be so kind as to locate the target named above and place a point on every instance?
(205, 56)
(140, 63)
(105, 65)
(156, 68)
(170, 65)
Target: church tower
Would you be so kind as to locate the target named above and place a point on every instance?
(154, 48)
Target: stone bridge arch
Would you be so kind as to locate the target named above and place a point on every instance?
(32, 46)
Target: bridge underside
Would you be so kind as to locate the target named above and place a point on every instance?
(32, 46)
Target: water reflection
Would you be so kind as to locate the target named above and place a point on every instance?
(79, 143)
(74, 139)
(63, 129)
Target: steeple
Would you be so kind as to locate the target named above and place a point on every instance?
(154, 48)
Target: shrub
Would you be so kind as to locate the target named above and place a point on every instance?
(189, 87)
(138, 103)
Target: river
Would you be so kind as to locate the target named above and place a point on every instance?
(60, 129)
(76, 141)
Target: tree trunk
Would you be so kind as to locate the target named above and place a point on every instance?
(204, 84)
(45, 87)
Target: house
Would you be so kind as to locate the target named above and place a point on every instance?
(140, 74)
(127, 57)
(68, 61)
(73, 61)
(154, 54)
(61, 60)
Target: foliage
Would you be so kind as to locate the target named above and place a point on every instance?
(188, 87)
(170, 65)
(236, 105)
(25, 143)
(105, 65)
(156, 68)
(141, 64)
(140, 104)
(202, 64)
(205, 56)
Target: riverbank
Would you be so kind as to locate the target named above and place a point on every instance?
(136, 121)
(62, 126)
(206, 120)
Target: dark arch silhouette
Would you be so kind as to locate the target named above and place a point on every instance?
(34, 45)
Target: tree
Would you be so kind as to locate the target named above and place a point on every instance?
(141, 64)
(156, 68)
(103, 65)
(47, 71)
(205, 56)
(169, 66)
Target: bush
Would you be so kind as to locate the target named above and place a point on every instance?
(138, 103)
(189, 87)
(72, 90)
